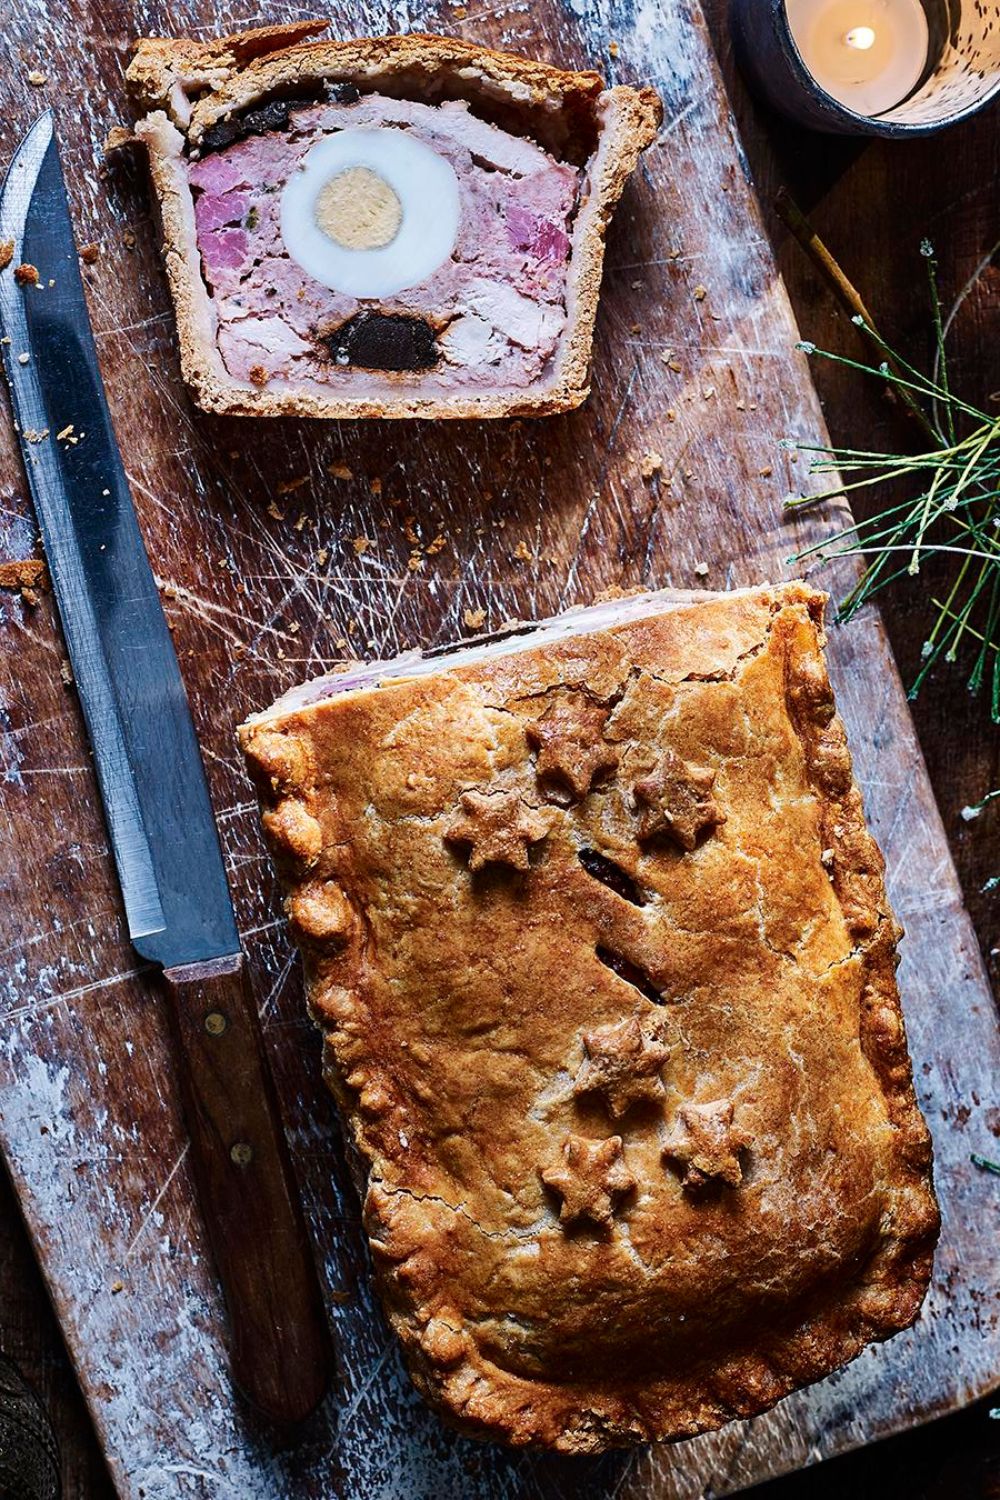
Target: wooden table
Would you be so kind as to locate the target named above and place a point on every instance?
(873, 203)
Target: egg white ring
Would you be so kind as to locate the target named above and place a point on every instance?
(427, 189)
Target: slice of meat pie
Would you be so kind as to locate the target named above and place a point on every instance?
(601, 950)
(402, 226)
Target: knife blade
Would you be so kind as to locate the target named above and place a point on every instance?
(156, 803)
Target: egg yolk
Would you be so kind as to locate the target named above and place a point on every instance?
(358, 210)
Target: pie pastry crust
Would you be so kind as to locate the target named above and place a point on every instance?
(641, 1146)
(186, 86)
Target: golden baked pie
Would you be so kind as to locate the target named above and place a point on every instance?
(600, 947)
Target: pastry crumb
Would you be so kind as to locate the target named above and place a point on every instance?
(700, 293)
(117, 138)
(89, 254)
(66, 672)
(474, 619)
(652, 463)
(26, 274)
(25, 575)
(287, 486)
(701, 568)
(37, 79)
(6, 253)
(258, 375)
(361, 545)
(340, 471)
(522, 552)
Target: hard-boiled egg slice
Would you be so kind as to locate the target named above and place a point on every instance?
(370, 212)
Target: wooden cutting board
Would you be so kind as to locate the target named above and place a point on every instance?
(255, 530)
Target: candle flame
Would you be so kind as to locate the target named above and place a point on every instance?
(860, 37)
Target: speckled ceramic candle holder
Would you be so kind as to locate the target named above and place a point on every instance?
(962, 74)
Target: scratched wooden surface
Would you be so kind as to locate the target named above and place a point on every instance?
(254, 541)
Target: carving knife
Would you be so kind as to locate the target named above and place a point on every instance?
(156, 802)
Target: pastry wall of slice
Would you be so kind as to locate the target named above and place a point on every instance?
(600, 947)
(400, 226)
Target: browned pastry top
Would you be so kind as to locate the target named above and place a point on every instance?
(602, 952)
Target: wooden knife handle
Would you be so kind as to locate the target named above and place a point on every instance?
(280, 1345)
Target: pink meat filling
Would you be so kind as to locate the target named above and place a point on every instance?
(498, 303)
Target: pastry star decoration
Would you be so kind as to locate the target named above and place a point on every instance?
(707, 1144)
(676, 799)
(571, 749)
(592, 1177)
(497, 827)
(623, 1064)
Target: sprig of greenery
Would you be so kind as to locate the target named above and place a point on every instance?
(953, 510)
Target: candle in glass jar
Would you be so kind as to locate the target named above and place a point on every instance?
(868, 54)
